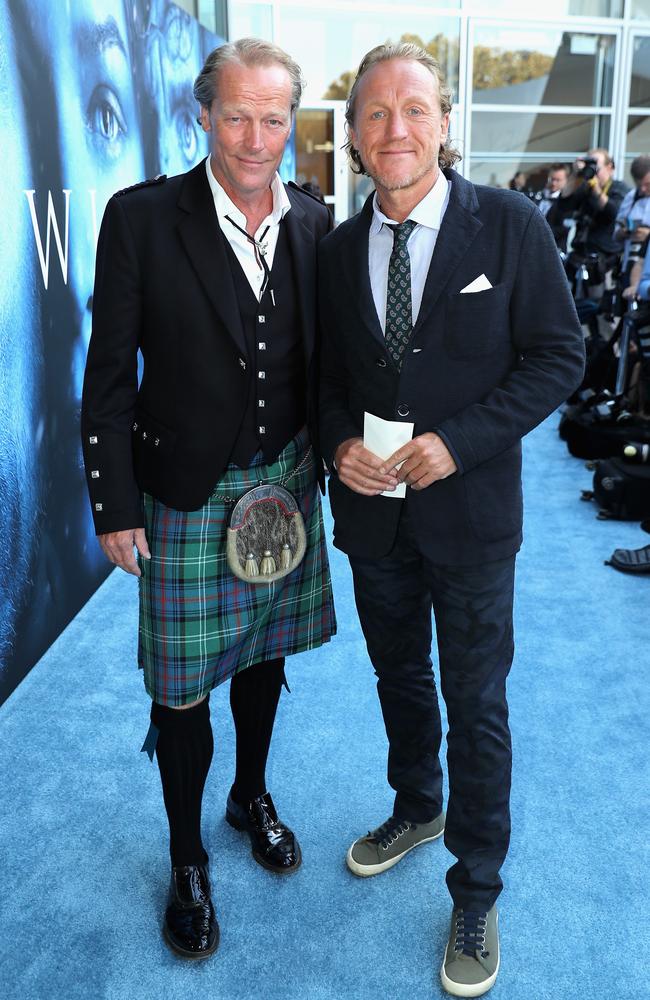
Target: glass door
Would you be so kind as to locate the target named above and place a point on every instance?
(321, 162)
(537, 94)
(635, 139)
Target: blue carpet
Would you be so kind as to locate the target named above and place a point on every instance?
(83, 837)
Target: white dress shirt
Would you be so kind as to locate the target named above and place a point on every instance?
(633, 208)
(428, 215)
(547, 199)
(246, 253)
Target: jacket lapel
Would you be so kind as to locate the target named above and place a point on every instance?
(302, 247)
(203, 242)
(458, 230)
(354, 263)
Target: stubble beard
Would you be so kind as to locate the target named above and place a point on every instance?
(399, 184)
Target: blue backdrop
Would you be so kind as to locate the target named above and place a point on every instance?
(94, 96)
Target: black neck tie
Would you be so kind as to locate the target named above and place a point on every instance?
(399, 314)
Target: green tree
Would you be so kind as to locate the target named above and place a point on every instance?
(493, 67)
(339, 89)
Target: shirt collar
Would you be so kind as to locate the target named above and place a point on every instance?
(225, 206)
(427, 212)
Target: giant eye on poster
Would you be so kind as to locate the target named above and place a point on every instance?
(95, 96)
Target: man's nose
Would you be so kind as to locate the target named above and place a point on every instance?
(396, 126)
(254, 136)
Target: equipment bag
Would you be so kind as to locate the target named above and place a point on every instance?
(593, 431)
(630, 560)
(622, 490)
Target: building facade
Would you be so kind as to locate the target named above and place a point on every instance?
(532, 86)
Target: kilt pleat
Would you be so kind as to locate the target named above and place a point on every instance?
(200, 624)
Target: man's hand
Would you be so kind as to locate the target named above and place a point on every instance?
(630, 292)
(426, 460)
(358, 469)
(118, 547)
(641, 233)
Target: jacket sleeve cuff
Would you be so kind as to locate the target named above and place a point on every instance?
(117, 520)
(451, 449)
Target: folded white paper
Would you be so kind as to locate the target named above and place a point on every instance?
(480, 284)
(383, 438)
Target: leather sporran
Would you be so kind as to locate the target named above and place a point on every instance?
(266, 537)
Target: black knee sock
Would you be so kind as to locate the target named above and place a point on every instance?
(184, 752)
(254, 696)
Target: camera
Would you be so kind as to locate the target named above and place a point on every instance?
(590, 168)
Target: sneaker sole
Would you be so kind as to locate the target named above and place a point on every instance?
(366, 871)
(465, 989)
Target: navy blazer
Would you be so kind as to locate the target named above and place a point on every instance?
(482, 369)
(163, 285)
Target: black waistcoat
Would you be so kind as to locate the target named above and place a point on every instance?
(276, 405)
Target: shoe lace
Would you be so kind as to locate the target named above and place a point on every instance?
(471, 926)
(390, 831)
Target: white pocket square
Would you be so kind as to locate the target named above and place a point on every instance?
(480, 284)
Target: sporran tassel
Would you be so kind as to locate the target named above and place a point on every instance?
(285, 556)
(268, 564)
(251, 568)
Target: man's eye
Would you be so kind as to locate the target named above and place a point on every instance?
(187, 137)
(275, 122)
(377, 114)
(234, 119)
(414, 111)
(104, 115)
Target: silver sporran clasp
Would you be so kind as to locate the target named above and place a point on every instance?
(266, 537)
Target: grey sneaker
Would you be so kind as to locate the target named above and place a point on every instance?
(471, 961)
(384, 847)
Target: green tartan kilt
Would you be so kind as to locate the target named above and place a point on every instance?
(199, 623)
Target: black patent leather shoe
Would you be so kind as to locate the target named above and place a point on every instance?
(274, 845)
(191, 929)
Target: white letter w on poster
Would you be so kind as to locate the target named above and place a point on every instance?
(52, 226)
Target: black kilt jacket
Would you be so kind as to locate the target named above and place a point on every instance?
(163, 285)
(482, 369)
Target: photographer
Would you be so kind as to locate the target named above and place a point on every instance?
(633, 219)
(639, 286)
(591, 198)
(558, 175)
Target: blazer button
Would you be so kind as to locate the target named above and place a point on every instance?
(403, 410)
(381, 362)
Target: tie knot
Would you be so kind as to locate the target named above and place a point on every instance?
(402, 231)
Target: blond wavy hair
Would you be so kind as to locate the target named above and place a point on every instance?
(447, 156)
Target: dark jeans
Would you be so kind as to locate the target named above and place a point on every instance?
(473, 613)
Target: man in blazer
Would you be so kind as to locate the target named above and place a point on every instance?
(211, 275)
(443, 305)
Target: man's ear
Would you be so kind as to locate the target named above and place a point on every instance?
(205, 119)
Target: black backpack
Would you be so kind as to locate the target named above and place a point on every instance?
(621, 490)
(635, 561)
(594, 429)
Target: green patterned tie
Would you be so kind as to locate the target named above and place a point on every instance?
(399, 315)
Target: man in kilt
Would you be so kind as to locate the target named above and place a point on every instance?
(211, 275)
